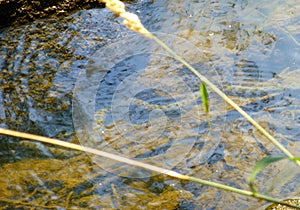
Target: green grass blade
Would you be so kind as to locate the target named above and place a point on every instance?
(258, 167)
(205, 99)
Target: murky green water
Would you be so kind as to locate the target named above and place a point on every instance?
(131, 98)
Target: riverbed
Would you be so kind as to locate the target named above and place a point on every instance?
(87, 79)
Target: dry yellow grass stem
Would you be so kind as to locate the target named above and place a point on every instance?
(131, 20)
(92, 151)
(134, 23)
(138, 164)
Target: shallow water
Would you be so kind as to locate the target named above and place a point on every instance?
(130, 97)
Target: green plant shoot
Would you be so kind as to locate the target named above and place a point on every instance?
(261, 165)
(204, 95)
(258, 167)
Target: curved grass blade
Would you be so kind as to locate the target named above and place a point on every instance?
(258, 167)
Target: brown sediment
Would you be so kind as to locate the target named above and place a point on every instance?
(14, 12)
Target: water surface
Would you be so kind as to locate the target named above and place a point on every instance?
(249, 49)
